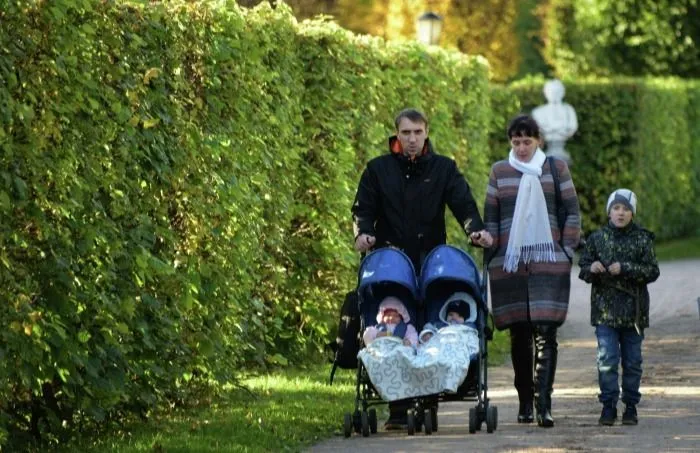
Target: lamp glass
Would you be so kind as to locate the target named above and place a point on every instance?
(429, 28)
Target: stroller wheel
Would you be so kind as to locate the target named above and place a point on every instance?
(372, 415)
(365, 424)
(357, 421)
(411, 422)
(491, 418)
(427, 424)
(434, 418)
(347, 424)
(473, 420)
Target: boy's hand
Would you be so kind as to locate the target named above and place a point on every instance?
(614, 268)
(597, 268)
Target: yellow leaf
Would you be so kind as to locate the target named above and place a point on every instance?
(150, 122)
(35, 316)
(150, 74)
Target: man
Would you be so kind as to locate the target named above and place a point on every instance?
(401, 199)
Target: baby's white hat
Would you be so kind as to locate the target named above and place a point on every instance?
(393, 303)
(625, 197)
(428, 328)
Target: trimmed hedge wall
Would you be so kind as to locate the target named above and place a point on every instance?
(176, 191)
(634, 133)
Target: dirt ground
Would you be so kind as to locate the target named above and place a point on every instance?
(669, 413)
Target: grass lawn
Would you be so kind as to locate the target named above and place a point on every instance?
(284, 412)
(678, 249)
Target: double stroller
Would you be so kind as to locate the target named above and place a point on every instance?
(445, 271)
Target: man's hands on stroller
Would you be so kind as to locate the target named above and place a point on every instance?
(481, 238)
(364, 242)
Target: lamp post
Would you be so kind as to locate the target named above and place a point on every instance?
(429, 28)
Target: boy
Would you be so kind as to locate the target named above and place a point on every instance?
(619, 261)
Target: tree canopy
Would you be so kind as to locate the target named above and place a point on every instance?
(566, 38)
(624, 37)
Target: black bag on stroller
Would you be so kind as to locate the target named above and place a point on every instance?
(347, 341)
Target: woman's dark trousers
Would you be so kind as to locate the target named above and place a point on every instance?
(523, 336)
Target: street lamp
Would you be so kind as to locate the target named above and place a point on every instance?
(429, 28)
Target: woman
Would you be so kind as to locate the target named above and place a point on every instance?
(530, 261)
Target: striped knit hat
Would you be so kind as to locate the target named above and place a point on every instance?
(625, 197)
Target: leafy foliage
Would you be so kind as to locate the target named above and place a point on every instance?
(529, 34)
(475, 27)
(484, 27)
(176, 184)
(625, 37)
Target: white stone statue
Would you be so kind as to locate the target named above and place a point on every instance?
(557, 119)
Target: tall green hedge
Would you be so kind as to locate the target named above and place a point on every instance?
(176, 189)
(634, 133)
(693, 122)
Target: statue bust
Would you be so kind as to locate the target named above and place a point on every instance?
(556, 119)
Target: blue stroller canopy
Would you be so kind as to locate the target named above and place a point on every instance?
(446, 262)
(388, 265)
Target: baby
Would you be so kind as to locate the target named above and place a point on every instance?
(392, 320)
(460, 309)
(429, 330)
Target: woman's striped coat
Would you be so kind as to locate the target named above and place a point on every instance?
(538, 292)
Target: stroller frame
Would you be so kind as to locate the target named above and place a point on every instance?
(364, 418)
(422, 415)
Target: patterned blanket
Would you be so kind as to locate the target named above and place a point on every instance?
(440, 365)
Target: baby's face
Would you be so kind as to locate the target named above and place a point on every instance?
(427, 336)
(391, 317)
(454, 317)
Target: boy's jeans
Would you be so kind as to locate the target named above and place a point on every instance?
(615, 344)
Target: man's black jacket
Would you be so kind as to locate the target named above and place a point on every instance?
(402, 201)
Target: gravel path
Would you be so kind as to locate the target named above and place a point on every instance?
(669, 412)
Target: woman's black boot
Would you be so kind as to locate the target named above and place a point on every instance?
(525, 413)
(545, 368)
(521, 354)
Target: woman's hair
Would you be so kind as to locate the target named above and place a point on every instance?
(523, 126)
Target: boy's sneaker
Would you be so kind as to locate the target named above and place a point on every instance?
(630, 415)
(608, 415)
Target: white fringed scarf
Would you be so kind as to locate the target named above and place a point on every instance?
(530, 234)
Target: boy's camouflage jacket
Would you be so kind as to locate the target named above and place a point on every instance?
(621, 300)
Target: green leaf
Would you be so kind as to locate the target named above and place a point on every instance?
(5, 203)
(20, 187)
(84, 336)
(278, 359)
